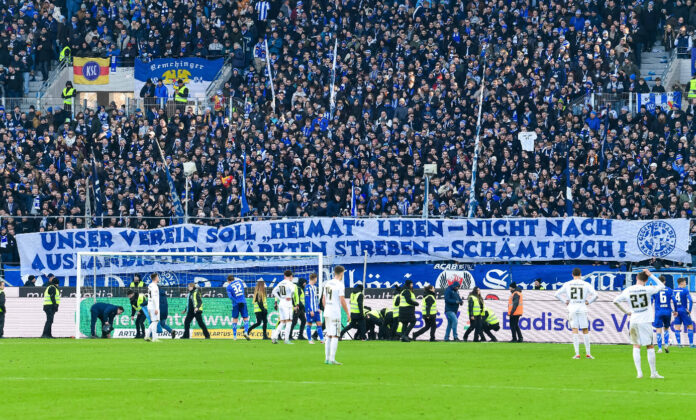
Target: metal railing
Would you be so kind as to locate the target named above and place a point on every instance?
(53, 76)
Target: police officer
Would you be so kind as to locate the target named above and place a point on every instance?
(181, 94)
(68, 94)
(105, 312)
(138, 302)
(407, 311)
(50, 304)
(298, 301)
(374, 319)
(429, 308)
(391, 318)
(475, 311)
(3, 310)
(357, 313)
(194, 310)
(490, 323)
(137, 282)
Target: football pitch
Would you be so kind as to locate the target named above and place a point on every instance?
(208, 379)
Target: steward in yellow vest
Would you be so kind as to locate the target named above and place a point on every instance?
(391, 316)
(475, 311)
(490, 323)
(407, 311)
(2, 308)
(429, 308)
(374, 319)
(51, 302)
(357, 313)
(138, 301)
(298, 301)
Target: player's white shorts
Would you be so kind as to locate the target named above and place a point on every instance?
(333, 327)
(578, 320)
(642, 334)
(285, 311)
(153, 317)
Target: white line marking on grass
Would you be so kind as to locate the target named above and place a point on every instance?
(279, 382)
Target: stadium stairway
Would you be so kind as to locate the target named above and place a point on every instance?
(653, 64)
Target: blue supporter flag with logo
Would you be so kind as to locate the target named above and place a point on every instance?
(178, 209)
(245, 203)
(96, 186)
(197, 73)
(667, 101)
(353, 207)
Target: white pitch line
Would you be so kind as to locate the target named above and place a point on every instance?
(279, 382)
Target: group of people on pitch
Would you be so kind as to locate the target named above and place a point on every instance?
(153, 307)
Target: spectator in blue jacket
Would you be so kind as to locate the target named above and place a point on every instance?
(161, 93)
(452, 303)
(164, 314)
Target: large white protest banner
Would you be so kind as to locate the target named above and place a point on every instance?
(347, 240)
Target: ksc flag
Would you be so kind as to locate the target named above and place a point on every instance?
(91, 71)
(197, 73)
(667, 101)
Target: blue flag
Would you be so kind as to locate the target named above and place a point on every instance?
(245, 203)
(96, 186)
(353, 207)
(178, 209)
(569, 188)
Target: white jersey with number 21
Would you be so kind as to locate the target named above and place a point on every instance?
(576, 293)
(333, 290)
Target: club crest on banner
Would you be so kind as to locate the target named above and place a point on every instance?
(657, 239)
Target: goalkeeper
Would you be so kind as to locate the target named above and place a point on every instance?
(105, 312)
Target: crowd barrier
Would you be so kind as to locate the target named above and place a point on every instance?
(544, 319)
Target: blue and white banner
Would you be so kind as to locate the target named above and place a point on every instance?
(347, 240)
(197, 73)
(667, 101)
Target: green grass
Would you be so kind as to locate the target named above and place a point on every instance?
(208, 379)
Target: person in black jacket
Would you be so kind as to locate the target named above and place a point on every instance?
(105, 312)
(429, 313)
(260, 309)
(3, 310)
(193, 310)
(407, 311)
(147, 92)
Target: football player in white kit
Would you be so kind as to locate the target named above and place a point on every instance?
(333, 299)
(153, 307)
(283, 293)
(577, 294)
(642, 315)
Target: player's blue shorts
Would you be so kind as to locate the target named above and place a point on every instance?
(683, 318)
(662, 319)
(240, 307)
(313, 319)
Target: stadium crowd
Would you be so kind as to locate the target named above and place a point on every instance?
(408, 79)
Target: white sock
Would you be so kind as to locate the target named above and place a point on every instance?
(586, 337)
(576, 343)
(651, 361)
(288, 331)
(327, 348)
(636, 360)
(274, 334)
(334, 347)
